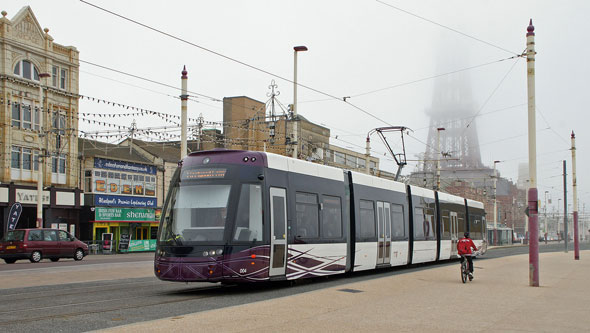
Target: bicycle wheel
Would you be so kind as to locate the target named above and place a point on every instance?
(464, 271)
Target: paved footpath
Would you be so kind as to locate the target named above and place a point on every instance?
(499, 299)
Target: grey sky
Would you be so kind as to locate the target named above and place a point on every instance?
(355, 47)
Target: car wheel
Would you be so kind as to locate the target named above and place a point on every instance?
(79, 254)
(36, 256)
(10, 261)
(54, 259)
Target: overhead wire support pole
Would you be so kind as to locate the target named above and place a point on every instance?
(533, 192)
(565, 226)
(183, 113)
(575, 189)
(41, 159)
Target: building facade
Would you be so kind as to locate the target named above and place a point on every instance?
(120, 196)
(39, 117)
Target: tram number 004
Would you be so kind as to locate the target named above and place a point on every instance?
(243, 271)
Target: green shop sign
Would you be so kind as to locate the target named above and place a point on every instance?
(125, 214)
(142, 245)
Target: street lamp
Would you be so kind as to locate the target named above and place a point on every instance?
(296, 144)
(495, 205)
(40, 159)
(438, 156)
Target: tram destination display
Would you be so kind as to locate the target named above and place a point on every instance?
(203, 173)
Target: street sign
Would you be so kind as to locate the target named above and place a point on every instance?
(14, 214)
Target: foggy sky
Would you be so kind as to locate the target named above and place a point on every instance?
(355, 47)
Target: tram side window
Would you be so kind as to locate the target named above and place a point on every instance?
(249, 216)
(398, 230)
(419, 223)
(461, 223)
(446, 224)
(331, 217)
(475, 226)
(306, 205)
(366, 227)
(429, 225)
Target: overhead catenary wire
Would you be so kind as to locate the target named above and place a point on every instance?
(447, 27)
(233, 60)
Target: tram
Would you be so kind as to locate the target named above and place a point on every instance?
(247, 216)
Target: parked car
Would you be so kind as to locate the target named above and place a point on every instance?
(36, 244)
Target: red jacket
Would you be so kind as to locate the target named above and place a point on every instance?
(464, 246)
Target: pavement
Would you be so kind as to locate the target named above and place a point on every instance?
(429, 299)
(432, 299)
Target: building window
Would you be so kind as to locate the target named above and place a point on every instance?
(24, 158)
(59, 124)
(361, 163)
(54, 76)
(351, 161)
(15, 158)
(339, 158)
(58, 164)
(24, 116)
(27, 156)
(27, 116)
(27, 70)
(16, 115)
(63, 78)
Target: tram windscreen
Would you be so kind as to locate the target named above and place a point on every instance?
(198, 213)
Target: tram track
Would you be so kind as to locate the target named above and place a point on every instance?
(102, 288)
(156, 298)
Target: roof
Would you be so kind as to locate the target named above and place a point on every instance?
(169, 151)
(91, 148)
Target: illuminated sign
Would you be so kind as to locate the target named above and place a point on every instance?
(193, 174)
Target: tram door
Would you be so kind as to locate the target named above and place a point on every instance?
(278, 231)
(454, 233)
(384, 233)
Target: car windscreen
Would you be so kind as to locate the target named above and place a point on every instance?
(15, 235)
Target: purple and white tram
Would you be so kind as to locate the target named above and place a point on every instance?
(245, 216)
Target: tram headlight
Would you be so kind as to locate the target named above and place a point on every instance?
(219, 251)
(205, 253)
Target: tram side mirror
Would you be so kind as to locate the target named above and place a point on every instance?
(260, 177)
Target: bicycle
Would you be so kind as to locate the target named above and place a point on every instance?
(465, 269)
(465, 266)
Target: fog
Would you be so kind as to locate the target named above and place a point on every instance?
(387, 60)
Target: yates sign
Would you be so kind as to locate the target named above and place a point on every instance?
(14, 214)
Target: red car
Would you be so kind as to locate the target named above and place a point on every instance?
(36, 244)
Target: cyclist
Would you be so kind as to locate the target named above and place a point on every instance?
(464, 246)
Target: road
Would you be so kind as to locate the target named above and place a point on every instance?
(99, 304)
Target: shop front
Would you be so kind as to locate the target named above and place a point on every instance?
(130, 229)
(61, 207)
